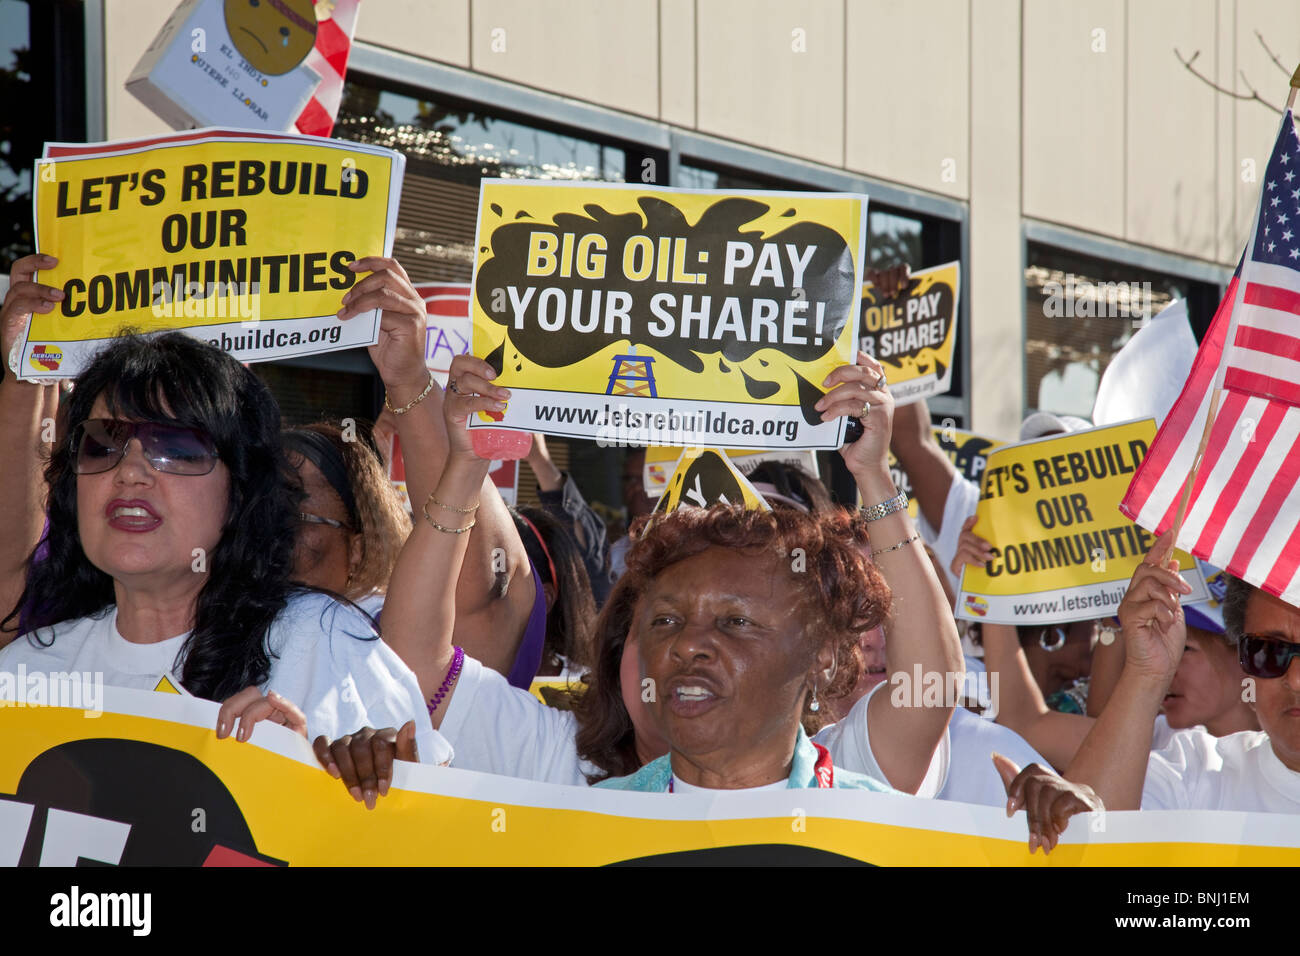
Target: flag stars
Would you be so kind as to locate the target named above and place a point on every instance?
(1286, 236)
(1272, 184)
(1295, 194)
(1274, 201)
(1295, 253)
(1289, 176)
(1272, 246)
(1282, 217)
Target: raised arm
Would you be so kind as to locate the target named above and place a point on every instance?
(1113, 758)
(494, 594)
(24, 409)
(920, 632)
(928, 468)
(420, 612)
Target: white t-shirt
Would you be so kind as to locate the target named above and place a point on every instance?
(496, 728)
(1162, 733)
(970, 776)
(1198, 771)
(963, 496)
(324, 658)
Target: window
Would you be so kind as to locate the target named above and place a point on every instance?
(1080, 311)
(449, 148)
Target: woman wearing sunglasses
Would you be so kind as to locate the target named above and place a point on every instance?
(172, 516)
(1251, 770)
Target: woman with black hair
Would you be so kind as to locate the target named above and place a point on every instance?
(169, 553)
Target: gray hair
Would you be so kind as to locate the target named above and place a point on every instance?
(1235, 599)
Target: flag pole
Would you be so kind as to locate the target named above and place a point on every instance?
(1295, 88)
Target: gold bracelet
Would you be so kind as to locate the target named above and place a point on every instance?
(464, 511)
(448, 530)
(902, 544)
(413, 402)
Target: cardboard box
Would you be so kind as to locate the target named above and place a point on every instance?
(195, 75)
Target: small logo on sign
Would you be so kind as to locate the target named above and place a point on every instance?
(977, 605)
(45, 357)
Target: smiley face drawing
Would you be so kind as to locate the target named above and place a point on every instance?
(272, 35)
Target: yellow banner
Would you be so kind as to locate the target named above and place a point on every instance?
(267, 802)
(1063, 551)
(647, 316)
(244, 242)
(914, 334)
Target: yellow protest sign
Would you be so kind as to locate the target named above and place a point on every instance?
(661, 460)
(705, 476)
(1062, 549)
(914, 334)
(267, 802)
(967, 451)
(241, 241)
(649, 316)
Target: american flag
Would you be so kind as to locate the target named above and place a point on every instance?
(336, 22)
(1243, 513)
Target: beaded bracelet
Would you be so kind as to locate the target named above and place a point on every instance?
(876, 512)
(457, 661)
(413, 402)
(902, 544)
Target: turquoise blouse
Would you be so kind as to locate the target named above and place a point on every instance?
(655, 776)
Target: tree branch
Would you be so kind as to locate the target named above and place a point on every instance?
(1254, 94)
(1272, 56)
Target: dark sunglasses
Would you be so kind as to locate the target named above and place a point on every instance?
(1265, 656)
(99, 444)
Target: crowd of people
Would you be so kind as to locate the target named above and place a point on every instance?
(169, 526)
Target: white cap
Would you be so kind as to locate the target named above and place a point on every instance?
(1045, 423)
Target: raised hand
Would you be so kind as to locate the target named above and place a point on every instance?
(24, 297)
(971, 548)
(1151, 616)
(399, 354)
(852, 388)
(469, 390)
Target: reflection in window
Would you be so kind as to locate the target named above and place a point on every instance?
(449, 150)
(479, 143)
(1080, 311)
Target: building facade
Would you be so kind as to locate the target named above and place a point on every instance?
(1066, 151)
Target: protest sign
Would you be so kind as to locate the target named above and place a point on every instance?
(636, 315)
(913, 335)
(448, 327)
(967, 451)
(703, 477)
(267, 802)
(661, 460)
(1062, 551)
(241, 241)
(236, 64)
